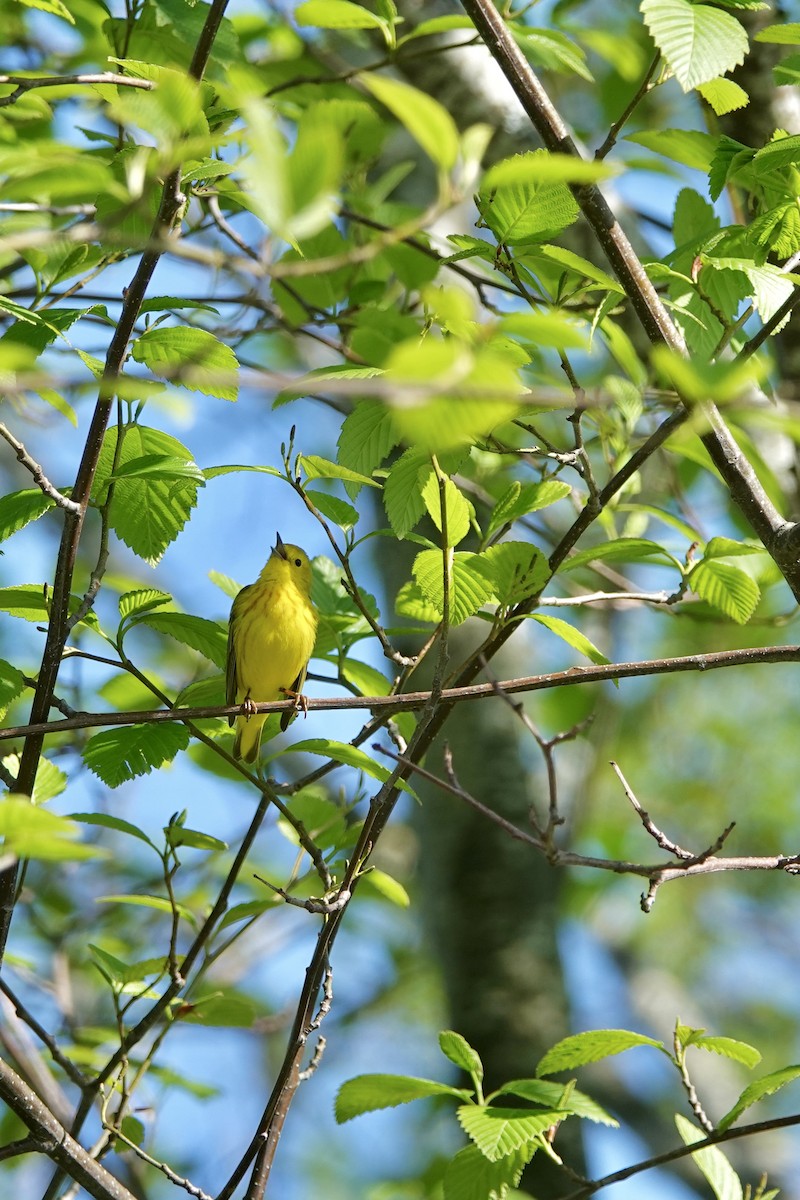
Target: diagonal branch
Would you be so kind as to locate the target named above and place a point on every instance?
(743, 484)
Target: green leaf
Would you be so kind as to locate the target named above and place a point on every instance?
(336, 14)
(548, 167)
(723, 95)
(471, 1176)
(323, 819)
(367, 437)
(515, 570)
(500, 1131)
(160, 466)
(12, 684)
(314, 382)
(139, 900)
(225, 1011)
(192, 357)
(367, 679)
(712, 1163)
(411, 603)
(336, 510)
(18, 509)
(595, 1044)
(51, 6)
(620, 550)
(368, 1093)
(575, 264)
(687, 146)
(547, 329)
(458, 510)
(787, 34)
(26, 601)
(699, 42)
(50, 781)
(573, 637)
(142, 600)
(402, 491)
(118, 755)
(728, 1047)
(428, 122)
(384, 886)
(340, 752)
(469, 587)
(321, 468)
(147, 514)
(207, 637)
(31, 832)
(521, 499)
(179, 835)
(726, 587)
(526, 209)
(765, 1086)
(247, 911)
(554, 1095)
(458, 1050)
(446, 396)
(106, 821)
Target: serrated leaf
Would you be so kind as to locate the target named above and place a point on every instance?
(12, 684)
(118, 755)
(728, 1047)
(723, 95)
(142, 600)
(471, 1176)
(726, 587)
(18, 509)
(572, 636)
(699, 42)
(314, 382)
(147, 514)
(336, 510)
(515, 570)
(554, 1095)
(521, 499)
(526, 210)
(26, 601)
(402, 491)
(207, 637)
(458, 510)
(368, 680)
(592, 1046)
(469, 587)
(336, 14)
(50, 781)
(189, 356)
(620, 550)
(501, 1131)
(545, 168)
(321, 468)
(106, 821)
(31, 832)
(368, 1093)
(412, 603)
(687, 146)
(712, 1163)
(458, 1050)
(341, 752)
(765, 1086)
(367, 437)
(428, 122)
(160, 466)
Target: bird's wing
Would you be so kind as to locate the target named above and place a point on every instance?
(296, 689)
(230, 669)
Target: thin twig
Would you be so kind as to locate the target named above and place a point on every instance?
(39, 477)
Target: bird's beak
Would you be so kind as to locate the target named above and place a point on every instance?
(280, 549)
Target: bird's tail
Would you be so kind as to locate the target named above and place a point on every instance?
(247, 742)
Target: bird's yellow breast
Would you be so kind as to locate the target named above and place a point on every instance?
(273, 639)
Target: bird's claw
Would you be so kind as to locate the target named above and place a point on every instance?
(300, 701)
(248, 708)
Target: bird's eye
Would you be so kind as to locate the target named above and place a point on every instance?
(298, 562)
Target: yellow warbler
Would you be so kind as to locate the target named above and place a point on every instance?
(271, 634)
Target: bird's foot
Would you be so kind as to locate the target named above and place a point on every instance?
(248, 708)
(300, 701)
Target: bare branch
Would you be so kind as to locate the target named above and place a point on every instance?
(39, 477)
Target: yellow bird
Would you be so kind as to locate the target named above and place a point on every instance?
(271, 634)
